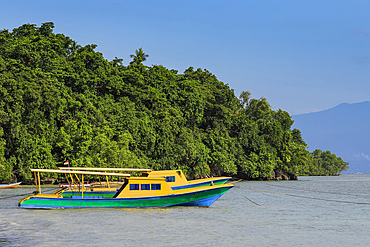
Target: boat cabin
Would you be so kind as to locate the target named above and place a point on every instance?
(173, 177)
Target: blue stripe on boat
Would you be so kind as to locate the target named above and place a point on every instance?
(196, 184)
(205, 202)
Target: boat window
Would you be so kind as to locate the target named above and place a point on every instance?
(156, 186)
(134, 187)
(145, 187)
(170, 179)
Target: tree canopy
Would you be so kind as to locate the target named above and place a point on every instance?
(60, 100)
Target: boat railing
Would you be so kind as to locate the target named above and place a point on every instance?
(101, 169)
(81, 173)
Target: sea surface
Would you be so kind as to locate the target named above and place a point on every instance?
(313, 211)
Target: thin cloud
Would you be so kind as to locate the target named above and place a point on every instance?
(366, 156)
(365, 32)
(363, 59)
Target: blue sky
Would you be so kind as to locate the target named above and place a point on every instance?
(302, 56)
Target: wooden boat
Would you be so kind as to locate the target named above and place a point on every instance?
(175, 178)
(73, 185)
(8, 186)
(135, 192)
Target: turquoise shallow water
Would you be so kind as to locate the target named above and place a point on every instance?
(313, 211)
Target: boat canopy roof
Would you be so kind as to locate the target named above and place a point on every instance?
(82, 172)
(104, 169)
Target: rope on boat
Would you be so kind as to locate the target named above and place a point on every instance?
(235, 181)
(307, 197)
(334, 193)
(247, 197)
(242, 193)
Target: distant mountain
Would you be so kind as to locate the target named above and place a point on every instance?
(343, 130)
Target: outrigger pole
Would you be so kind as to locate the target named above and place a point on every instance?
(104, 169)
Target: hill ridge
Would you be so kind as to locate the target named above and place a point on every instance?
(342, 129)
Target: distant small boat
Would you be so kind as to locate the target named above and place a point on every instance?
(8, 186)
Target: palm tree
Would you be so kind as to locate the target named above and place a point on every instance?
(139, 57)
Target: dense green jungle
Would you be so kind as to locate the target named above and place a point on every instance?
(61, 101)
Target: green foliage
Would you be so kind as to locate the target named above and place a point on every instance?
(325, 163)
(59, 100)
(5, 167)
(139, 56)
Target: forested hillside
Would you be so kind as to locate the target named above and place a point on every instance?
(60, 101)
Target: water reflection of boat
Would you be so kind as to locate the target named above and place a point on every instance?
(134, 192)
(8, 186)
(175, 178)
